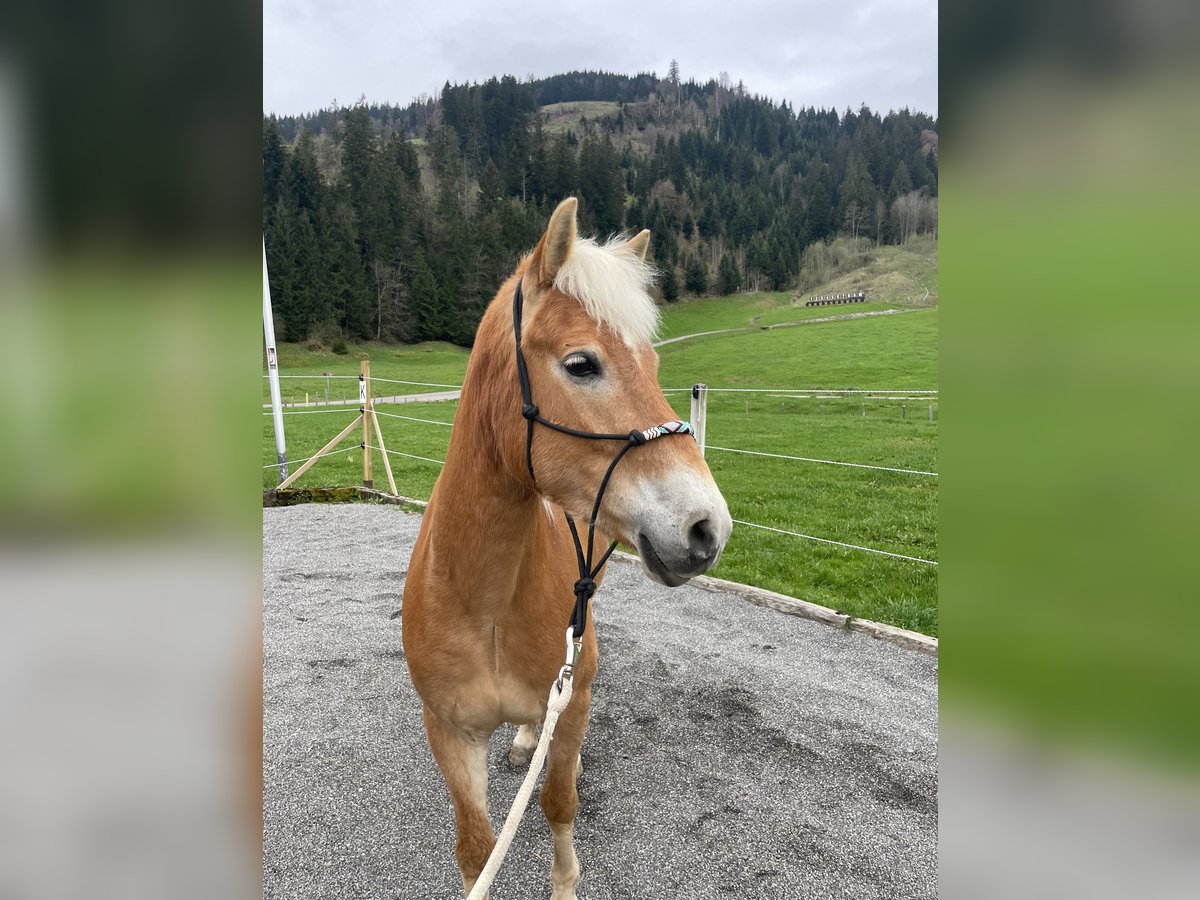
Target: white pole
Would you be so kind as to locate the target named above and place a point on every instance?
(273, 372)
(700, 412)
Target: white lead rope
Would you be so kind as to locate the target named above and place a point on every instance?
(560, 696)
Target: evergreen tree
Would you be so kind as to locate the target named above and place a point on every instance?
(274, 160)
(728, 277)
(356, 148)
(857, 195)
(491, 188)
(669, 284)
(901, 183)
(818, 220)
(427, 303)
(346, 301)
(562, 175)
(696, 276)
(301, 186)
(601, 186)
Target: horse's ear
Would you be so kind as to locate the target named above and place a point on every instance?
(556, 244)
(640, 243)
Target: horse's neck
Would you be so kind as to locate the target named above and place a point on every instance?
(488, 527)
(483, 525)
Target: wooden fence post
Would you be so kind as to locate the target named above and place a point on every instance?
(700, 412)
(364, 399)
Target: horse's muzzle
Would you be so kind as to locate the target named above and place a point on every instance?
(672, 562)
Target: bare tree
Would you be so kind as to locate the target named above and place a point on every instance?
(391, 306)
(913, 213)
(856, 217)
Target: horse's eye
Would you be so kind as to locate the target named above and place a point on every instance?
(581, 365)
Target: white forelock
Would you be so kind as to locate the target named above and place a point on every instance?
(612, 282)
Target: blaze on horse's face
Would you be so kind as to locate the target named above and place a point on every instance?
(586, 339)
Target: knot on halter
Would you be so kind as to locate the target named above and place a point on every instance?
(530, 410)
(637, 437)
(584, 588)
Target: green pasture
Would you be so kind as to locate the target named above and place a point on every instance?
(889, 511)
(876, 353)
(432, 362)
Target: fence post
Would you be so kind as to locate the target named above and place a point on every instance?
(700, 412)
(904, 410)
(273, 373)
(364, 399)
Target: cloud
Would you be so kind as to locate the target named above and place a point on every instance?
(809, 53)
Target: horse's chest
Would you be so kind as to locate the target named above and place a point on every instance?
(485, 700)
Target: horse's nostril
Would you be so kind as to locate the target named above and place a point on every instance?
(702, 542)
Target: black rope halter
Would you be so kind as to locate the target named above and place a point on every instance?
(585, 587)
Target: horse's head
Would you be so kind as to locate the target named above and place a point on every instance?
(587, 325)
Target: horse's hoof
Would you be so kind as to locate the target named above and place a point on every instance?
(520, 756)
(578, 766)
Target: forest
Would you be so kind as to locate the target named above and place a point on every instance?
(396, 223)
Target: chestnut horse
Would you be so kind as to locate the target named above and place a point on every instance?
(489, 587)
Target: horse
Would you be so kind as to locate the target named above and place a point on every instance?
(488, 589)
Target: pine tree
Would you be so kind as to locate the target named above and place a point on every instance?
(901, 183)
(348, 302)
(728, 277)
(491, 188)
(356, 150)
(601, 186)
(427, 303)
(857, 195)
(274, 160)
(562, 176)
(669, 284)
(696, 276)
(301, 186)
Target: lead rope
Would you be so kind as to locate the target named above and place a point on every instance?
(585, 587)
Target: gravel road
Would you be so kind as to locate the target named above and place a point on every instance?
(734, 751)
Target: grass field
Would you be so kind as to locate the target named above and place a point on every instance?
(433, 362)
(889, 511)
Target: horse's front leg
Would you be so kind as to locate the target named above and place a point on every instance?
(560, 797)
(463, 761)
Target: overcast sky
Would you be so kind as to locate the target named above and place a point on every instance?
(809, 52)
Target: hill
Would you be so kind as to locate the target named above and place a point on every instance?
(395, 224)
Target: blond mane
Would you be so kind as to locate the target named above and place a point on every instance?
(613, 284)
